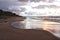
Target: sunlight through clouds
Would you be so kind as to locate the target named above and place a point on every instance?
(40, 8)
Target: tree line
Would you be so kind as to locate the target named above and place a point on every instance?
(7, 13)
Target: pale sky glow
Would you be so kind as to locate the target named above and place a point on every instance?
(16, 6)
(42, 11)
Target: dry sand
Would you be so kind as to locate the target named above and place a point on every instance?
(7, 32)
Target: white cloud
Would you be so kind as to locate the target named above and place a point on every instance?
(11, 5)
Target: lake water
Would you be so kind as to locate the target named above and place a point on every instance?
(33, 23)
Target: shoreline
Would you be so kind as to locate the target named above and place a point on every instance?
(7, 32)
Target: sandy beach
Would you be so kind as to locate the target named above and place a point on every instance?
(7, 32)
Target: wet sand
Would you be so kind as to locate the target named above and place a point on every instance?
(7, 32)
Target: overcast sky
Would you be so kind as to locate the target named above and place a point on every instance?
(12, 5)
(5, 4)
